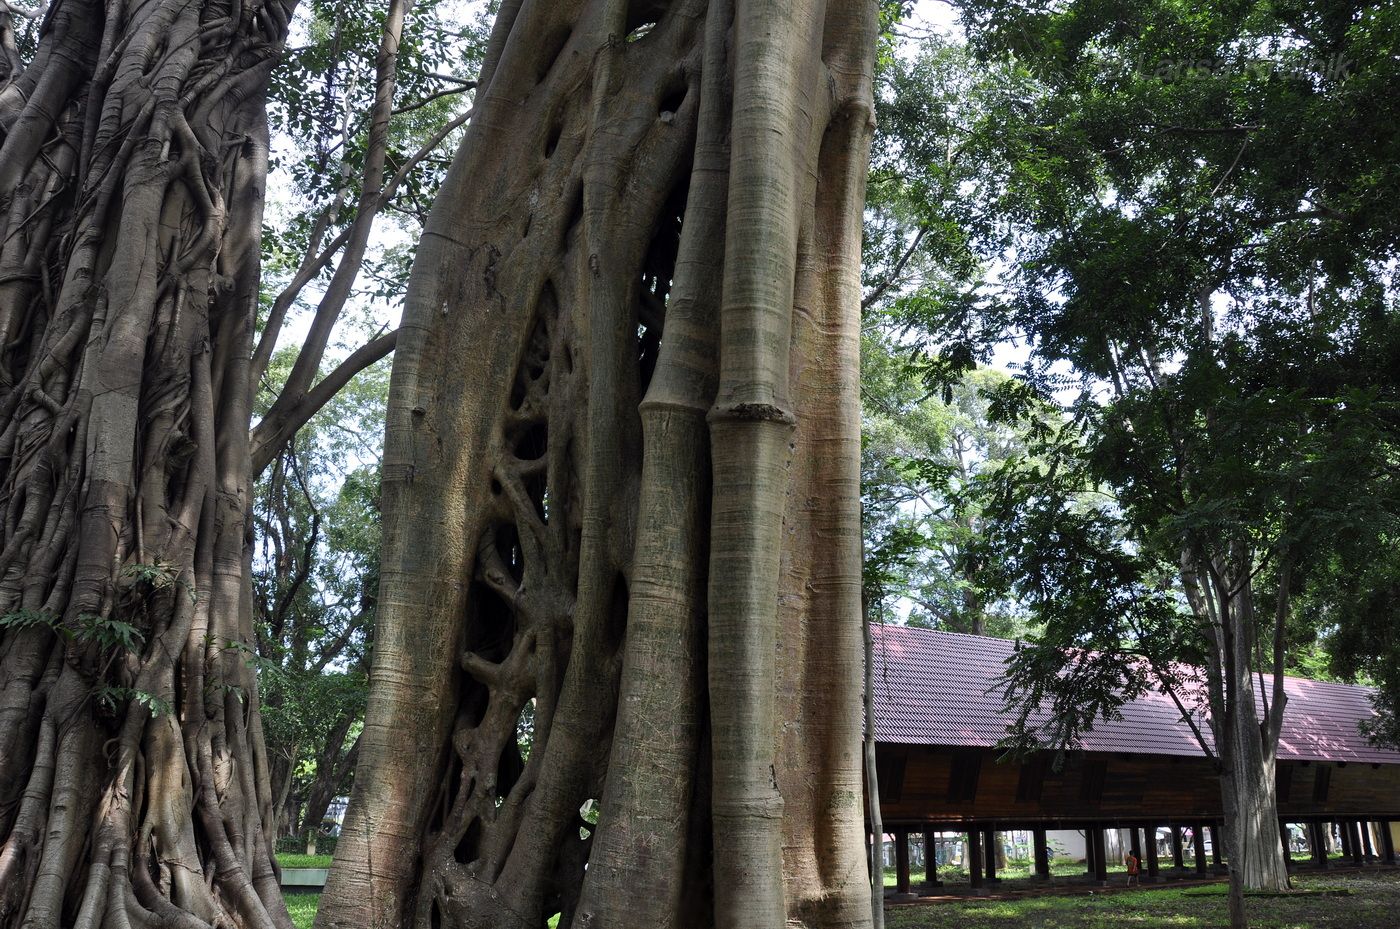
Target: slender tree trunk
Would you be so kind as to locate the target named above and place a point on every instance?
(621, 481)
(332, 771)
(133, 785)
(1245, 747)
(1244, 743)
(285, 809)
(872, 785)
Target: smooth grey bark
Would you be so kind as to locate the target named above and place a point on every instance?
(621, 487)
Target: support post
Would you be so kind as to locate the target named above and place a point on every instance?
(931, 861)
(974, 857)
(1042, 854)
(901, 861)
(990, 856)
(1354, 828)
(1178, 859)
(1344, 828)
(1367, 848)
(1215, 850)
(1089, 851)
(1135, 844)
(1149, 836)
(1319, 844)
(1198, 839)
(1100, 857)
(1283, 836)
(1387, 843)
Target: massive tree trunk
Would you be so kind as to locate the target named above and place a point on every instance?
(133, 787)
(621, 481)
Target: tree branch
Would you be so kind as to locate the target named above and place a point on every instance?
(269, 435)
(308, 362)
(437, 95)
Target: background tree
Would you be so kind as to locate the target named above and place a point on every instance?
(926, 429)
(1189, 241)
(920, 457)
(582, 513)
(315, 580)
(316, 535)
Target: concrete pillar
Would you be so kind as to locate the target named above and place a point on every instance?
(931, 860)
(1135, 844)
(1387, 843)
(1178, 860)
(1042, 854)
(990, 856)
(1089, 851)
(1354, 828)
(1344, 828)
(1366, 847)
(1149, 835)
(1198, 839)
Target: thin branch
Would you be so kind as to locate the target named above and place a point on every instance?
(438, 95)
(1205, 130)
(269, 436)
(1167, 687)
(1275, 718)
(893, 277)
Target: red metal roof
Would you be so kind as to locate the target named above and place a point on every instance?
(943, 688)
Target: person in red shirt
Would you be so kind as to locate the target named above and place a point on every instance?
(1131, 861)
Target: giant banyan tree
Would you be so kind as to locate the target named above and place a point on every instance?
(133, 149)
(621, 488)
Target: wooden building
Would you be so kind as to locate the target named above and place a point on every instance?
(939, 715)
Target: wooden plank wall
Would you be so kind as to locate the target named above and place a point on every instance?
(923, 784)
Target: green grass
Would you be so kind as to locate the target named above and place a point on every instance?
(288, 860)
(1016, 869)
(1372, 902)
(303, 908)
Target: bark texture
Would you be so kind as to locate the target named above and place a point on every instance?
(133, 786)
(621, 488)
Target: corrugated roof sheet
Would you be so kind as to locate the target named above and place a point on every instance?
(943, 688)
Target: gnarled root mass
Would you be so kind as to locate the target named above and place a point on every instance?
(133, 150)
(622, 559)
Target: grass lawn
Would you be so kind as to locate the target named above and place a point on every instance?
(303, 861)
(303, 908)
(1368, 900)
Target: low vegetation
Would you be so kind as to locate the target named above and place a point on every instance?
(285, 860)
(303, 909)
